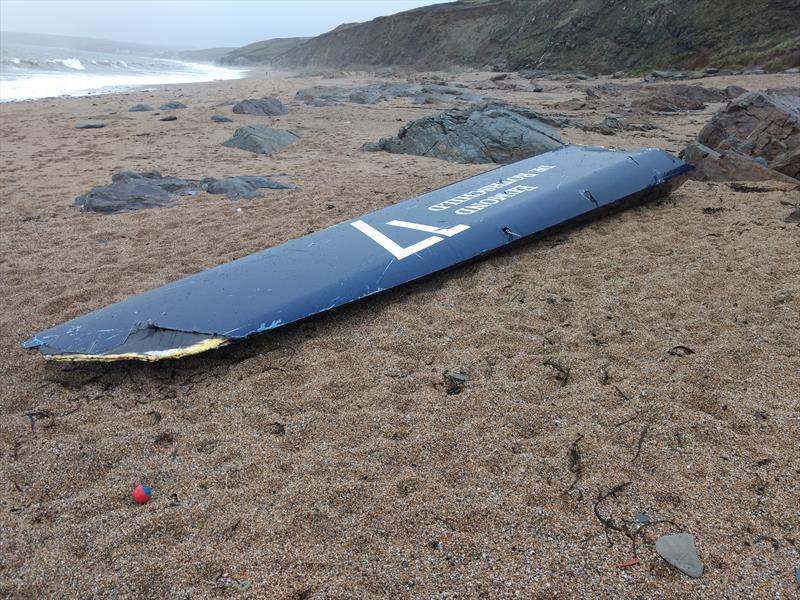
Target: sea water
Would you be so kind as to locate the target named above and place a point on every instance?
(29, 72)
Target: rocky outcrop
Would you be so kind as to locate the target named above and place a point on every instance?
(261, 140)
(759, 124)
(130, 191)
(380, 92)
(711, 165)
(678, 98)
(264, 107)
(485, 133)
(585, 35)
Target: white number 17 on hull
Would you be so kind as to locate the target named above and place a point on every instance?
(399, 251)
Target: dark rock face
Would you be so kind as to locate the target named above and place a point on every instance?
(726, 166)
(172, 105)
(135, 191)
(220, 119)
(140, 108)
(261, 140)
(486, 133)
(89, 125)
(263, 107)
(379, 92)
(760, 124)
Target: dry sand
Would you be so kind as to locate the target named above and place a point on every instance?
(325, 460)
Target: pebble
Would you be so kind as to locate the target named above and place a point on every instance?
(89, 125)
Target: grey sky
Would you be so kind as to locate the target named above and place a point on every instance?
(191, 23)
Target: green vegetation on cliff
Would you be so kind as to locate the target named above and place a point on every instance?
(596, 35)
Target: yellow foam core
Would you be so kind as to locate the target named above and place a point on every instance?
(151, 356)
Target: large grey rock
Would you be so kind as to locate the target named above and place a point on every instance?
(89, 125)
(365, 96)
(763, 124)
(243, 186)
(171, 185)
(135, 191)
(264, 107)
(261, 140)
(172, 105)
(711, 165)
(123, 195)
(140, 108)
(485, 133)
(678, 550)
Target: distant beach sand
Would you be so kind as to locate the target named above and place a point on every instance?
(325, 460)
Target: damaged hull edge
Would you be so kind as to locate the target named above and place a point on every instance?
(367, 255)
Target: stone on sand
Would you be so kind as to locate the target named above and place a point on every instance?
(261, 140)
(678, 550)
(130, 191)
(762, 123)
(140, 108)
(220, 119)
(89, 125)
(127, 192)
(172, 105)
(243, 186)
(484, 133)
(169, 118)
(263, 107)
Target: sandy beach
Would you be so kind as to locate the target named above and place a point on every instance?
(325, 459)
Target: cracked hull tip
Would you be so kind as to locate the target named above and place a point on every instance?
(147, 356)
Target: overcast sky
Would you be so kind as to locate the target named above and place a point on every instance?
(192, 23)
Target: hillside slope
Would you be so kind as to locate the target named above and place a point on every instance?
(598, 35)
(261, 52)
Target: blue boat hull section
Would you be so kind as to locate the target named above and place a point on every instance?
(357, 258)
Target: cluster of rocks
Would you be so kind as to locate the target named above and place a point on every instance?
(134, 191)
(508, 82)
(681, 97)
(485, 133)
(755, 137)
(611, 125)
(379, 92)
(664, 75)
(171, 105)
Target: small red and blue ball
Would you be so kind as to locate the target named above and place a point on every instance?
(142, 493)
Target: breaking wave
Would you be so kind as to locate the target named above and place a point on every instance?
(29, 73)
